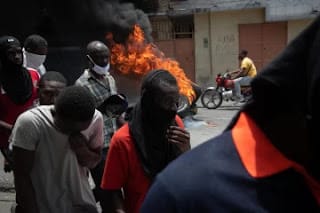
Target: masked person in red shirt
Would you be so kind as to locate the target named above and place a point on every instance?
(18, 87)
(144, 146)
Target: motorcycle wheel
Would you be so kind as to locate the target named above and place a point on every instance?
(183, 106)
(211, 98)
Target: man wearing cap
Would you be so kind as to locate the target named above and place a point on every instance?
(18, 87)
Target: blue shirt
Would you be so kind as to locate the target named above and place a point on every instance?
(216, 177)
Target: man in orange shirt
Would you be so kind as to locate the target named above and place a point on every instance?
(147, 144)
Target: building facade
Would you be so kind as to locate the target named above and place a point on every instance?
(205, 36)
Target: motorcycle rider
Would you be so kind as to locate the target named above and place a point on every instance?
(246, 73)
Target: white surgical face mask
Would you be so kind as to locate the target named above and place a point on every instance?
(33, 60)
(99, 69)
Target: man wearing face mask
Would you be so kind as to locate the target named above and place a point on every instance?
(101, 85)
(35, 52)
(142, 148)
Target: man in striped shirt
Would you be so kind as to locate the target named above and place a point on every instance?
(101, 84)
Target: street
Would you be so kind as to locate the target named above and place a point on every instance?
(206, 124)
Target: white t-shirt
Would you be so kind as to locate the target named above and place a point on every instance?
(61, 184)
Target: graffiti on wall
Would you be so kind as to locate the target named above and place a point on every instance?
(225, 52)
(225, 45)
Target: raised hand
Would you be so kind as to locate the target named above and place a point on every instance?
(180, 137)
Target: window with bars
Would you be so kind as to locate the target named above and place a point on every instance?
(173, 28)
(183, 29)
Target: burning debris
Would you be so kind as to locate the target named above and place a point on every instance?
(129, 38)
(138, 57)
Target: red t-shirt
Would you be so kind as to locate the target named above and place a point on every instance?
(124, 170)
(9, 111)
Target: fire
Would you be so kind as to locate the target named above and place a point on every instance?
(139, 57)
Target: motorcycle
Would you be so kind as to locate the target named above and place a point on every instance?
(212, 97)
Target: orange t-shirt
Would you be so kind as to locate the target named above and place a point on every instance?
(254, 149)
(123, 169)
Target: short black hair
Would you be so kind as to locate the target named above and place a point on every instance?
(76, 103)
(34, 42)
(53, 76)
(244, 52)
(96, 46)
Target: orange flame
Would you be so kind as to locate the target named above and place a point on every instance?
(139, 57)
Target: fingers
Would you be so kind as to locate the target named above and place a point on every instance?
(77, 140)
(183, 146)
(180, 137)
(77, 137)
(178, 133)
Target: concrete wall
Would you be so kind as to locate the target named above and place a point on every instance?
(216, 32)
(222, 31)
(203, 51)
(163, 5)
(296, 26)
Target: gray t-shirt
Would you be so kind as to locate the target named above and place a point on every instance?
(60, 183)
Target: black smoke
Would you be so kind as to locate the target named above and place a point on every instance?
(119, 18)
(70, 22)
(92, 18)
(69, 25)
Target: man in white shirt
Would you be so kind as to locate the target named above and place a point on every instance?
(53, 149)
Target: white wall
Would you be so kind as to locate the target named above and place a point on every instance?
(297, 26)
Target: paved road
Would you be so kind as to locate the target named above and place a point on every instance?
(212, 122)
(208, 124)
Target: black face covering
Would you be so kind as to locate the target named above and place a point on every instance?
(149, 124)
(163, 116)
(156, 115)
(14, 78)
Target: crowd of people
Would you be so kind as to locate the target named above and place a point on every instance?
(75, 147)
(56, 137)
